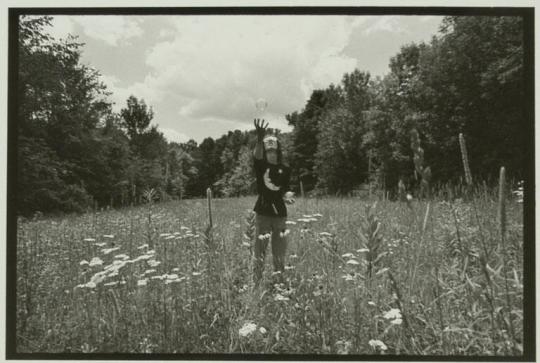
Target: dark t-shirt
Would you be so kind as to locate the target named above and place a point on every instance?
(272, 184)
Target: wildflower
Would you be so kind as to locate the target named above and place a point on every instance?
(247, 329)
(95, 262)
(312, 219)
(147, 272)
(89, 240)
(142, 282)
(83, 262)
(279, 297)
(343, 346)
(307, 216)
(396, 321)
(141, 257)
(113, 283)
(153, 263)
(293, 256)
(164, 234)
(409, 197)
(246, 244)
(264, 236)
(317, 215)
(375, 343)
(176, 269)
(195, 273)
(122, 256)
(143, 246)
(170, 281)
(347, 255)
(353, 262)
(348, 277)
(184, 228)
(305, 220)
(284, 233)
(170, 237)
(106, 251)
(290, 222)
(108, 236)
(392, 314)
(90, 285)
(371, 303)
(361, 250)
(381, 271)
(325, 234)
(289, 267)
(100, 244)
(262, 330)
(150, 252)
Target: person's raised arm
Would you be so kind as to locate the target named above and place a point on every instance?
(261, 129)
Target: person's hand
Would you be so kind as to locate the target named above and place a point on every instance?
(260, 127)
(289, 198)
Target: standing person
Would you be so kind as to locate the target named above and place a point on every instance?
(272, 187)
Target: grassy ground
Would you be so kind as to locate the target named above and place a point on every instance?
(393, 279)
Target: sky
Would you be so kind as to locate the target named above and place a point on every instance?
(203, 75)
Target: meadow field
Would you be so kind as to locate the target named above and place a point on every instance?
(362, 277)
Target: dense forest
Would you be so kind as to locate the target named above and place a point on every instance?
(75, 153)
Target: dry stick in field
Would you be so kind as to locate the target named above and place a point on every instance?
(502, 224)
(399, 300)
(465, 158)
(208, 232)
(419, 250)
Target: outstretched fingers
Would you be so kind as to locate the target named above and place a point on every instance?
(259, 124)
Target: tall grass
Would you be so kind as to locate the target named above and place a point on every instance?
(430, 279)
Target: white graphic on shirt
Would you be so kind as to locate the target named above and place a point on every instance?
(268, 182)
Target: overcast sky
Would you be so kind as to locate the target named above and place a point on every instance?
(203, 74)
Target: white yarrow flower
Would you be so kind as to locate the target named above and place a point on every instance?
(353, 262)
(396, 322)
(375, 343)
(247, 329)
(95, 262)
(106, 251)
(142, 282)
(285, 233)
(392, 314)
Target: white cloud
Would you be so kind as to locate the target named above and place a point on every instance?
(389, 24)
(108, 28)
(216, 67)
(173, 135)
(61, 27)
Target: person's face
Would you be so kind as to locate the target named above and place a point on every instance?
(271, 156)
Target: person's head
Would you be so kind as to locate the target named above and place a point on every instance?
(272, 150)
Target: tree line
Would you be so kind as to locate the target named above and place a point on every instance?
(75, 153)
